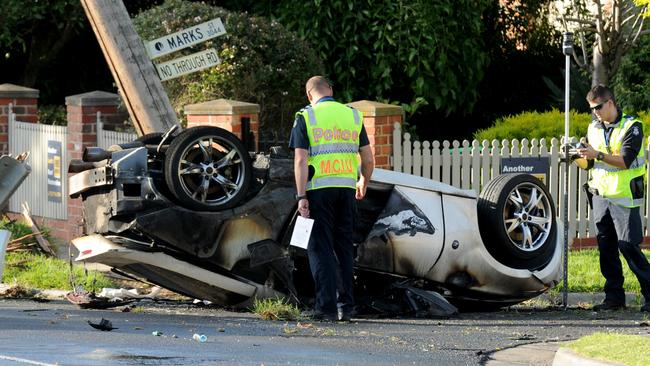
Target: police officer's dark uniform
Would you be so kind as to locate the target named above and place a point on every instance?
(333, 134)
(617, 195)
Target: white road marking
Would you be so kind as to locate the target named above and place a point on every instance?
(30, 362)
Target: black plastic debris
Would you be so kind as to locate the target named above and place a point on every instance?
(103, 325)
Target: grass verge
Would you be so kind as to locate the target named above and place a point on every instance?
(275, 309)
(38, 271)
(614, 347)
(585, 276)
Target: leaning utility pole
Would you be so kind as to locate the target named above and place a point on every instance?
(134, 74)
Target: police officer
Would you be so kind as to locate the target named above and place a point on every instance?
(327, 136)
(617, 181)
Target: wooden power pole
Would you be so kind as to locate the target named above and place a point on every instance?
(139, 84)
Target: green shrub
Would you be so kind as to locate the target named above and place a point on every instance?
(543, 125)
(261, 62)
(17, 229)
(535, 125)
(52, 115)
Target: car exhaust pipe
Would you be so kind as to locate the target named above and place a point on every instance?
(78, 166)
(95, 154)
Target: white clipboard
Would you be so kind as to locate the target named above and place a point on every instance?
(301, 232)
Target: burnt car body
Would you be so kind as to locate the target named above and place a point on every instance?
(199, 215)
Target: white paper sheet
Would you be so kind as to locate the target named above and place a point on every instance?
(301, 232)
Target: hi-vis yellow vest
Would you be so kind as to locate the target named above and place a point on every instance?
(333, 129)
(612, 182)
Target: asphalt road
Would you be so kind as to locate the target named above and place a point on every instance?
(33, 333)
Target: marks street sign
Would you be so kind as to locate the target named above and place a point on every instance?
(188, 64)
(185, 38)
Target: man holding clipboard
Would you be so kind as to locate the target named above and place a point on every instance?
(327, 136)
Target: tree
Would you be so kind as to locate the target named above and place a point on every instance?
(632, 81)
(416, 51)
(50, 46)
(605, 29)
(33, 31)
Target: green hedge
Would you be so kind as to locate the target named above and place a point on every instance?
(543, 125)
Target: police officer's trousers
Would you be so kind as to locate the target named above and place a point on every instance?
(333, 211)
(619, 229)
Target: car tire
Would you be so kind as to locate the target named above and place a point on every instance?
(207, 169)
(516, 219)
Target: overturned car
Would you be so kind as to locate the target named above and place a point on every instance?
(198, 214)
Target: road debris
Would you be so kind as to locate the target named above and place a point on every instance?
(523, 337)
(87, 300)
(201, 338)
(645, 323)
(40, 239)
(103, 325)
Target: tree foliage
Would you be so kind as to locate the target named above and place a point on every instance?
(645, 3)
(606, 31)
(261, 62)
(50, 46)
(524, 50)
(398, 50)
(32, 32)
(632, 82)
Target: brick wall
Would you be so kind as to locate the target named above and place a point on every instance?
(227, 114)
(24, 103)
(82, 132)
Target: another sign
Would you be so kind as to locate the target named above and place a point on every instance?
(54, 151)
(535, 166)
(185, 38)
(188, 64)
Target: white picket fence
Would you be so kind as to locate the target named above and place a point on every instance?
(36, 138)
(471, 165)
(107, 138)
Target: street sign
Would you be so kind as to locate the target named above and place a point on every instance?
(187, 64)
(185, 38)
(535, 166)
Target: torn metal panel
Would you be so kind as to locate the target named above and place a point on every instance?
(12, 173)
(405, 239)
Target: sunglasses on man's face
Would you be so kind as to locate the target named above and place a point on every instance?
(599, 106)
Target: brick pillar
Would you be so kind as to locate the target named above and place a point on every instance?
(25, 106)
(379, 120)
(82, 132)
(227, 114)
(82, 118)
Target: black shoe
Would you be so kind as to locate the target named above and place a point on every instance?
(609, 305)
(645, 308)
(345, 316)
(319, 316)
